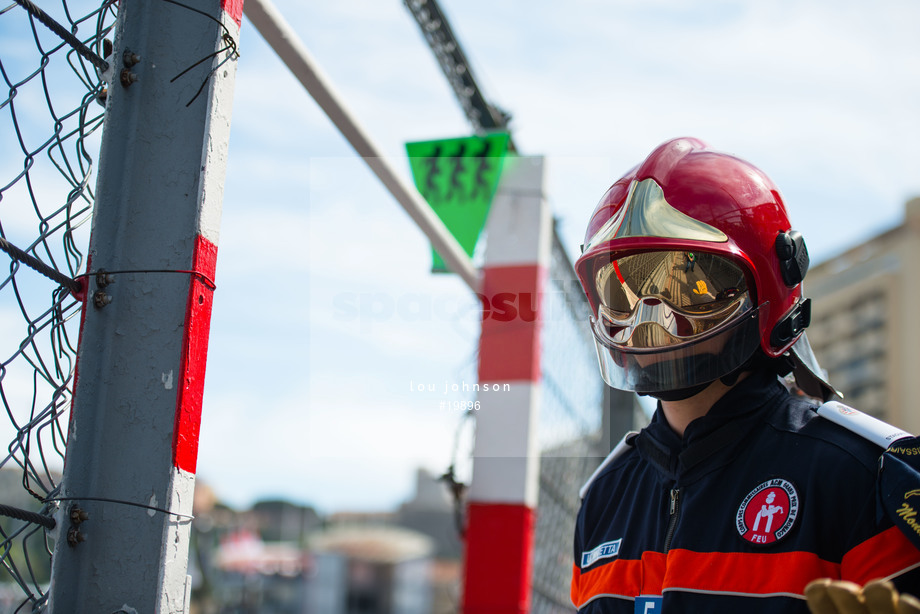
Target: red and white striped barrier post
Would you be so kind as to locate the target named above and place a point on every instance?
(501, 511)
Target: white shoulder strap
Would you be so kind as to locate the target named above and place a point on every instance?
(873, 429)
(617, 452)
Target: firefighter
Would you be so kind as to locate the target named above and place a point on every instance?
(738, 494)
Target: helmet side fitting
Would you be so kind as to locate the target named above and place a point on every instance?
(738, 200)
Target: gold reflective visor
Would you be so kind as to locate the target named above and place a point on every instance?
(663, 298)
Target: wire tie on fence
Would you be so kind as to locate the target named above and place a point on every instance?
(35, 518)
(67, 36)
(120, 502)
(227, 38)
(106, 275)
(75, 287)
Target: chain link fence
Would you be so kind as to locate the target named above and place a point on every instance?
(570, 431)
(52, 66)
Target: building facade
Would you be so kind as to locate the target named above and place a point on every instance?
(865, 327)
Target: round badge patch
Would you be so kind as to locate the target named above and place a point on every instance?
(768, 512)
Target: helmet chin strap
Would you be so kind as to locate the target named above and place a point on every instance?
(758, 360)
(677, 395)
(730, 379)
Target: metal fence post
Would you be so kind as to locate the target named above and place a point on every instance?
(129, 473)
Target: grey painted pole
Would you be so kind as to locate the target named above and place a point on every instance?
(126, 502)
(282, 38)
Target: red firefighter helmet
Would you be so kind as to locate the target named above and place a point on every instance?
(690, 265)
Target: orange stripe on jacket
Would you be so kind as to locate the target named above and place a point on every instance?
(887, 554)
(620, 577)
(728, 572)
(884, 555)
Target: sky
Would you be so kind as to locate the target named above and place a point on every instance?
(326, 316)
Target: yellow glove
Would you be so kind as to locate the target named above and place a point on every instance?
(826, 596)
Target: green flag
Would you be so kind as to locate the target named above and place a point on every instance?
(458, 178)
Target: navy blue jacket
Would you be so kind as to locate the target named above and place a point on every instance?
(759, 497)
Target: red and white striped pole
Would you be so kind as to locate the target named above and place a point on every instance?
(501, 511)
(129, 473)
